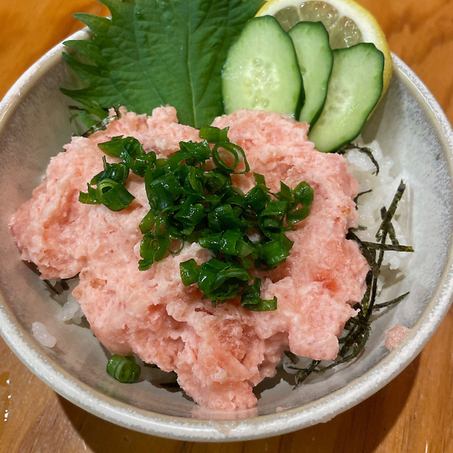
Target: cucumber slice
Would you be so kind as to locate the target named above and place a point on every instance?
(315, 59)
(261, 70)
(354, 89)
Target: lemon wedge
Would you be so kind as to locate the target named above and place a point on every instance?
(347, 22)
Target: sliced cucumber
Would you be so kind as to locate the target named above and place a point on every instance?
(315, 59)
(354, 89)
(261, 70)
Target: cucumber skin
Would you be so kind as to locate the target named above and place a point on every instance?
(371, 110)
(318, 113)
(285, 35)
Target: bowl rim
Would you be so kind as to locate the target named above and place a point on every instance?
(32, 354)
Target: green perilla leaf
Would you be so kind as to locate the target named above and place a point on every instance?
(157, 52)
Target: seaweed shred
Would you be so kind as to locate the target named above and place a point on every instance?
(356, 199)
(391, 229)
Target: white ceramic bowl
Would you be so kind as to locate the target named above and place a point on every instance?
(34, 124)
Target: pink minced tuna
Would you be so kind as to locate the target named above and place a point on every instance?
(219, 353)
(395, 336)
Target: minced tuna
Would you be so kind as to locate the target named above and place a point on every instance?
(218, 352)
(395, 336)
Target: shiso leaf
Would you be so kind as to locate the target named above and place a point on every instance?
(153, 53)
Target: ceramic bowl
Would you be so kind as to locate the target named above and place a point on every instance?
(409, 124)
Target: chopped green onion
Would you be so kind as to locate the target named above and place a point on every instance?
(195, 179)
(260, 180)
(285, 193)
(140, 163)
(220, 280)
(230, 242)
(271, 219)
(116, 172)
(251, 298)
(276, 251)
(215, 181)
(153, 248)
(303, 193)
(193, 152)
(189, 271)
(275, 208)
(192, 199)
(189, 215)
(130, 150)
(258, 197)
(89, 197)
(176, 245)
(123, 369)
(114, 147)
(213, 134)
(229, 156)
(164, 191)
(113, 195)
(224, 217)
(147, 222)
(297, 215)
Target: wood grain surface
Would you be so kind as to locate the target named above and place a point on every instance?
(413, 413)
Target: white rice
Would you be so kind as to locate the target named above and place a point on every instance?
(383, 186)
(70, 311)
(40, 332)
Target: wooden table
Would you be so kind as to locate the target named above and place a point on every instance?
(414, 413)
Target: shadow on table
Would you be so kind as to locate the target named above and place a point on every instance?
(361, 429)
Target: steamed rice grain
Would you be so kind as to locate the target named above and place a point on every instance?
(40, 332)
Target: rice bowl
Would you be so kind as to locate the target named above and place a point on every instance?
(362, 388)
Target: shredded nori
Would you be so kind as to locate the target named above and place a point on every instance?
(388, 214)
(356, 199)
(388, 247)
(392, 302)
(391, 229)
(357, 329)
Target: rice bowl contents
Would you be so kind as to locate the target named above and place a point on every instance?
(218, 352)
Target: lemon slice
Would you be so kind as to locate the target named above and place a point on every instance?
(347, 22)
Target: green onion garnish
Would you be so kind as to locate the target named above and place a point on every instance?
(220, 280)
(214, 134)
(275, 251)
(123, 369)
(192, 199)
(113, 195)
(189, 271)
(117, 172)
(228, 157)
(108, 192)
(251, 298)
